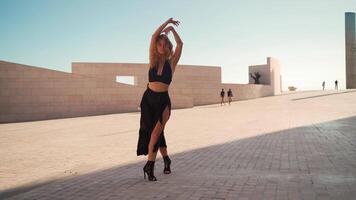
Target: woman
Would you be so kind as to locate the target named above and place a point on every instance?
(155, 103)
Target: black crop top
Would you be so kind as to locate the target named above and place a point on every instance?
(166, 76)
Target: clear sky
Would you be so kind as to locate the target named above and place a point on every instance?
(306, 36)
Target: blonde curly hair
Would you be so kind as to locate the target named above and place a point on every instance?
(168, 53)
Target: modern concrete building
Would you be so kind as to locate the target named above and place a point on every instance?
(350, 50)
(270, 74)
(32, 93)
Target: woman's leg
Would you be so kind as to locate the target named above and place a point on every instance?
(166, 159)
(149, 167)
(156, 133)
(163, 151)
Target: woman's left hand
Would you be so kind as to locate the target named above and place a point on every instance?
(167, 29)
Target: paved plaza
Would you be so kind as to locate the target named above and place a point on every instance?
(292, 146)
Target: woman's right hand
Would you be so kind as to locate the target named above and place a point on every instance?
(174, 22)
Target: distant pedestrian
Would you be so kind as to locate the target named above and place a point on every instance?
(229, 95)
(323, 85)
(222, 95)
(336, 85)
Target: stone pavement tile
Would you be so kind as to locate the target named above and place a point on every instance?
(312, 161)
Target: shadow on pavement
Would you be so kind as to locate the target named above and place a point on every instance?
(309, 161)
(322, 95)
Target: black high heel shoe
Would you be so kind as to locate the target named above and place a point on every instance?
(167, 165)
(149, 168)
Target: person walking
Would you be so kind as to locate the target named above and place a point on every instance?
(229, 95)
(222, 95)
(323, 84)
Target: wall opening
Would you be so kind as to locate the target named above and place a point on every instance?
(130, 80)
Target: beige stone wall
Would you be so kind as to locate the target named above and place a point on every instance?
(193, 83)
(32, 93)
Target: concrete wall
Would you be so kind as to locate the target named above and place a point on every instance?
(350, 50)
(247, 91)
(32, 93)
(270, 74)
(275, 75)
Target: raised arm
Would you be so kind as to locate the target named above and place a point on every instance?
(156, 34)
(178, 50)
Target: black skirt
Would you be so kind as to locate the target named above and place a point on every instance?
(152, 107)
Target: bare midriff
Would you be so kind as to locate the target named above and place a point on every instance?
(158, 86)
